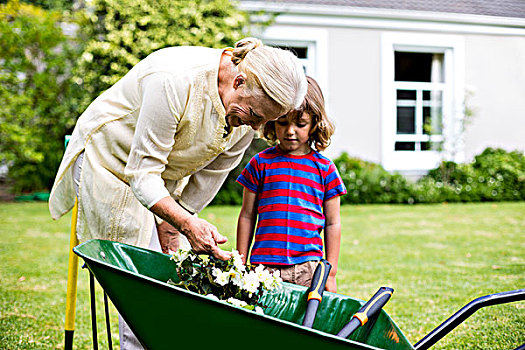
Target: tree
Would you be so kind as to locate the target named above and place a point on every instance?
(47, 78)
(52, 4)
(35, 93)
(119, 33)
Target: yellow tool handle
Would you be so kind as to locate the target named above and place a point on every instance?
(72, 273)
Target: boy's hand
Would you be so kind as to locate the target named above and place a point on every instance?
(331, 284)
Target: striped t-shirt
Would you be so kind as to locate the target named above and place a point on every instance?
(290, 192)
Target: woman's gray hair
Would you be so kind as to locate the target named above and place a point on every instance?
(279, 73)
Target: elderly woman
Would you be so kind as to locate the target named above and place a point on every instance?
(162, 140)
(154, 149)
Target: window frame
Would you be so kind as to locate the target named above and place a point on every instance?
(452, 48)
(419, 136)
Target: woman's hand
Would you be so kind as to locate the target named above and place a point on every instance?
(204, 237)
(168, 237)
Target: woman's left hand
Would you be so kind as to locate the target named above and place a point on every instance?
(168, 237)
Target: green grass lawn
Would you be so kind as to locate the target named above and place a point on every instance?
(436, 257)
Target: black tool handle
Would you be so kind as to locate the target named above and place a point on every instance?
(372, 307)
(315, 292)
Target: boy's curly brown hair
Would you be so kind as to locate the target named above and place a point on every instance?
(313, 104)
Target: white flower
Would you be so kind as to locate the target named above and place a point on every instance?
(236, 277)
(277, 280)
(265, 277)
(259, 310)
(216, 272)
(250, 282)
(237, 302)
(180, 255)
(237, 261)
(269, 282)
(260, 270)
(222, 277)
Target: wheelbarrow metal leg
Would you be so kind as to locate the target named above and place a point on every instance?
(72, 277)
(108, 323)
(93, 310)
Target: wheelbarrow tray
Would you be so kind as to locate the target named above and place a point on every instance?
(164, 316)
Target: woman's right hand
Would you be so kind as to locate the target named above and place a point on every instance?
(204, 237)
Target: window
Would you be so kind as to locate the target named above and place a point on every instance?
(419, 89)
(422, 87)
(302, 52)
(309, 44)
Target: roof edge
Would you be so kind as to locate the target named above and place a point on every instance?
(380, 13)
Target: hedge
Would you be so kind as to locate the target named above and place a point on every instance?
(493, 175)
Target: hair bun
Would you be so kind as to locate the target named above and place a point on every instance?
(242, 47)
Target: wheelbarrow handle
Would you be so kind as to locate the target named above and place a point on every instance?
(372, 307)
(467, 311)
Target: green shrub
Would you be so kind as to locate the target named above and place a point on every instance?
(452, 183)
(504, 171)
(367, 182)
(494, 175)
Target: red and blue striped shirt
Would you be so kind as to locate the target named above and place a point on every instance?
(290, 191)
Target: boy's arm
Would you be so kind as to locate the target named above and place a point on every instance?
(246, 223)
(332, 238)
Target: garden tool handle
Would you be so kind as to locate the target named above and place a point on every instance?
(372, 307)
(315, 292)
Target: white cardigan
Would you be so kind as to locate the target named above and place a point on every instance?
(157, 132)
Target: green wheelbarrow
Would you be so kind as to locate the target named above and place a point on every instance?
(162, 315)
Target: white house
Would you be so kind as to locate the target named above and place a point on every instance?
(409, 83)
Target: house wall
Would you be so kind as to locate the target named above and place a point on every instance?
(495, 76)
(494, 69)
(354, 98)
(495, 83)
